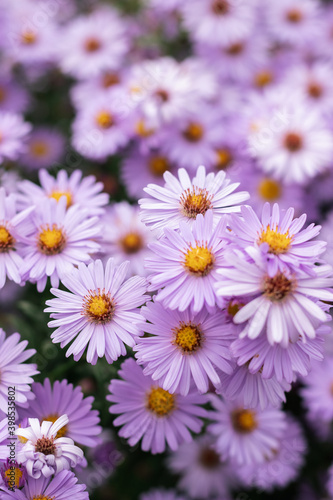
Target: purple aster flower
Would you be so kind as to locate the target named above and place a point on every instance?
(185, 347)
(60, 240)
(125, 237)
(317, 393)
(284, 465)
(13, 132)
(202, 472)
(52, 402)
(98, 42)
(14, 372)
(279, 237)
(161, 495)
(44, 453)
(149, 412)
(61, 487)
(286, 303)
(245, 436)
(44, 148)
(99, 311)
(184, 199)
(85, 192)
(12, 474)
(186, 264)
(13, 97)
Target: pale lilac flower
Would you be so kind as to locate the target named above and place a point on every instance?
(183, 199)
(45, 454)
(61, 239)
(9, 180)
(184, 347)
(148, 412)
(101, 84)
(245, 436)
(13, 133)
(44, 148)
(317, 393)
(99, 311)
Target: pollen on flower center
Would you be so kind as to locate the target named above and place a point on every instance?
(28, 37)
(278, 287)
(294, 16)
(58, 194)
(160, 402)
(278, 242)
(315, 90)
(39, 148)
(269, 190)
(220, 7)
(142, 130)
(244, 421)
(188, 337)
(195, 202)
(194, 132)
(199, 260)
(263, 78)
(52, 418)
(99, 307)
(92, 44)
(104, 119)
(158, 165)
(6, 240)
(42, 498)
(13, 475)
(224, 159)
(131, 243)
(45, 445)
(293, 142)
(209, 458)
(51, 241)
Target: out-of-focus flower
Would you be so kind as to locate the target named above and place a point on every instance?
(13, 133)
(44, 147)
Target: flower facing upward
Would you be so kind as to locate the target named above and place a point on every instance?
(99, 311)
(152, 414)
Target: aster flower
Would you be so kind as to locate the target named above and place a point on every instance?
(161, 495)
(185, 347)
(45, 454)
(317, 393)
(125, 237)
(184, 199)
(186, 264)
(245, 436)
(44, 148)
(85, 192)
(13, 132)
(286, 303)
(14, 372)
(60, 239)
(279, 237)
(203, 474)
(152, 414)
(99, 311)
(52, 402)
(283, 467)
(61, 487)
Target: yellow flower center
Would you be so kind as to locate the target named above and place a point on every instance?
(92, 44)
(194, 132)
(278, 242)
(195, 202)
(104, 119)
(188, 337)
(224, 159)
(98, 307)
(52, 418)
(42, 498)
(13, 476)
(158, 165)
(39, 149)
(28, 37)
(51, 241)
(244, 421)
(160, 402)
(278, 287)
(131, 243)
(58, 194)
(6, 240)
(199, 260)
(269, 190)
(263, 78)
(142, 130)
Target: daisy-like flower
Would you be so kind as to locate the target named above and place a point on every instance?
(185, 347)
(14, 372)
(285, 304)
(14, 229)
(317, 393)
(99, 311)
(98, 42)
(13, 132)
(279, 237)
(186, 263)
(161, 495)
(44, 147)
(202, 472)
(61, 238)
(245, 436)
(125, 237)
(152, 414)
(85, 192)
(52, 402)
(43, 453)
(61, 487)
(184, 199)
(283, 467)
